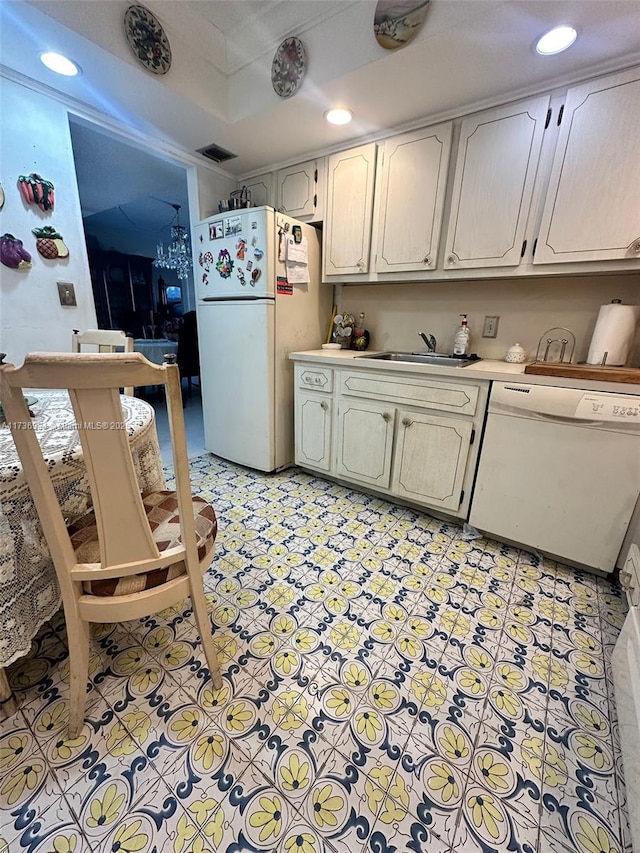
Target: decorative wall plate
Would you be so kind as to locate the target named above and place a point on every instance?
(396, 22)
(288, 67)
(148, 40)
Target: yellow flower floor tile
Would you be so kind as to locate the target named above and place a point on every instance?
(388, 686)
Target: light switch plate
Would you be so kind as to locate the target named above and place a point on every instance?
(67, 294)
(490, 329)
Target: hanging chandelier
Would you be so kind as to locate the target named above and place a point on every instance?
(178, 254)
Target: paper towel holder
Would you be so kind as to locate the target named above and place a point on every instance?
(562, 340)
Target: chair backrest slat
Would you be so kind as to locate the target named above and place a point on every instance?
(123, 528)
(106, 340)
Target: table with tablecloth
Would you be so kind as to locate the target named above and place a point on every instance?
(29, 592)
(155, 349)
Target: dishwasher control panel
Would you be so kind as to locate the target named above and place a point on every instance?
(574, 404)
(609, 407)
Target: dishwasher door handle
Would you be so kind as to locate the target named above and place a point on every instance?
(561, 419)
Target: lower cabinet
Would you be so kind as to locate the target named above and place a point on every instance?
(364, 442)
(430, 459)
(410, 436)
(313, 416)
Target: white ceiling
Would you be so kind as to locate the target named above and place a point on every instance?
(219, 90)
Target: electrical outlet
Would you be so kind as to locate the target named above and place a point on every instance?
(67, 294)
(490, 329)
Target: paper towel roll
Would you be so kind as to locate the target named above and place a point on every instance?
(613, 334)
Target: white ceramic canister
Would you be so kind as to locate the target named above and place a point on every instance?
(515, 354)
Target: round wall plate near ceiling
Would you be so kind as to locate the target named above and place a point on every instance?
(288, 67)
(148, 40)
(396, 22)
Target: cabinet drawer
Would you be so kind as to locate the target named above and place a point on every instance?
(423, 392)
(317, 378)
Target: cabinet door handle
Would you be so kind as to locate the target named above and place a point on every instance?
(635, 246)
(406, 422)
(451, 259)
(386, 416)
(427, 260)
(360, 265)
(324, 405)
(625, 580)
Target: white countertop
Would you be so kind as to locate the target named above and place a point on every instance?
(487, 369)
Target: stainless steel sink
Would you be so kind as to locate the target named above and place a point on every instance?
(436, 358)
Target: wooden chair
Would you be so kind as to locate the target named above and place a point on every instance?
(129, 556)
(107, 340)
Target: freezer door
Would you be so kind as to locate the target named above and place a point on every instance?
(236, 342)
(233, 255)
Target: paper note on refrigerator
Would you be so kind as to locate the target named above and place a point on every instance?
(297, 260)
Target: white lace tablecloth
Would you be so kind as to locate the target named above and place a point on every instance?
(29, 592)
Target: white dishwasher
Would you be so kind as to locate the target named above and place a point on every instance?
(559, 471)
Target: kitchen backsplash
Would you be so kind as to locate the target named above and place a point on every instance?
(527, 308)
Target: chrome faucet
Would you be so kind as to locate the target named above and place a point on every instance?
(429, 340)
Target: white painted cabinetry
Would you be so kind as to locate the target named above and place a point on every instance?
(497, 158)
(261, 189)
(347, 226)
(410, 199)
(313, 417)
(364, 441)
(300, 190)
(431, 459)
(408, 435)
(592, 206)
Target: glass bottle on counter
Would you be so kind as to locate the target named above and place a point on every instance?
(358, 332)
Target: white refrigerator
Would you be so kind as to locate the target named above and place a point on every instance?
(258, 298)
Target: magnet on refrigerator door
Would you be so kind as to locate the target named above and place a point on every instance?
(224, 264)
(255, 274)
(232, 225)
(241, 278)
(258, 254)
(216, 230)
(241, 247)
(249, 265)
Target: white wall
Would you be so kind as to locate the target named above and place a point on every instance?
(395, 313)
(34, 137)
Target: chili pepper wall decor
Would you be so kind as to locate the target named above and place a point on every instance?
(13, 254)
(49, 243)
(35, 190)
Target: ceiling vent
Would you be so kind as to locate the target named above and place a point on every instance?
(215, 153)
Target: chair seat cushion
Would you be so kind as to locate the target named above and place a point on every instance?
(164, 519)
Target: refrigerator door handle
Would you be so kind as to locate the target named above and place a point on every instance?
(235, 298)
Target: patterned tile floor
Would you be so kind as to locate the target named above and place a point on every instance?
(388, 687)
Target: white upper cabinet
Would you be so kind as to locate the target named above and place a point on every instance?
(496, 166)
(410, 199)
(300, 190)
(261, 189)
(592, 207)
(347, 228)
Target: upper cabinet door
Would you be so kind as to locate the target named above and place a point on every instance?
(300, 189)
(410, 201)
(347, 231)
(261, 189)
(592, 208)
(495, 170)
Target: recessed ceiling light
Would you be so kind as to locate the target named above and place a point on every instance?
(556, 40)
(60, 64)
(338, 116)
